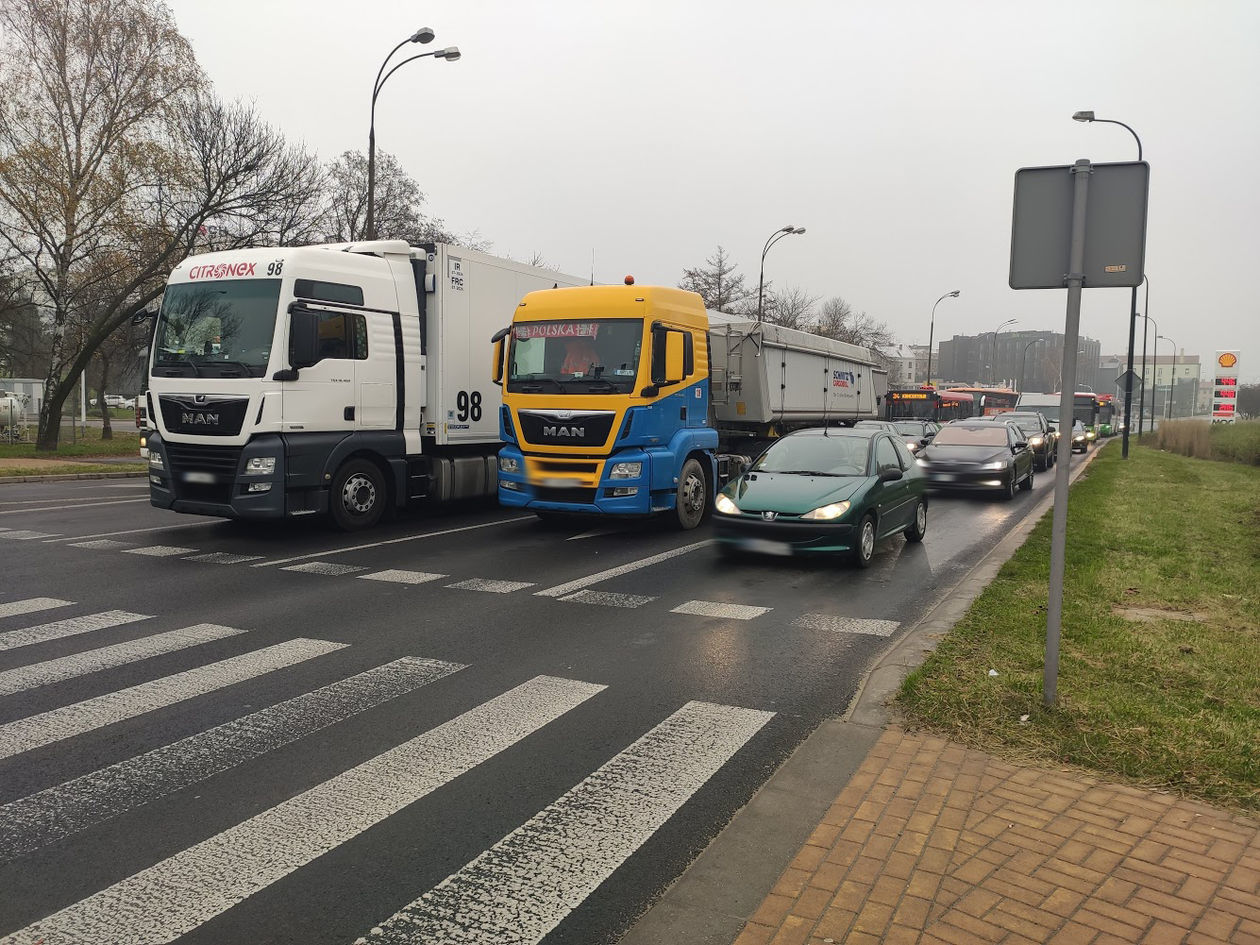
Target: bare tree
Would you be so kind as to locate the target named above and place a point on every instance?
(837, 319)
(791, 308)
(718, 283)
(113, 158)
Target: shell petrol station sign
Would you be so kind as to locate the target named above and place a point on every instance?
(1225, 387)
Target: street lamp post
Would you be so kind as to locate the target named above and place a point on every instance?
(450, 54)
(774, 238)
(1145, 324)
(1172, 382)
(1088, 116)
(993, 356)
(1023, 363)
(932, 328)
(1154, 366)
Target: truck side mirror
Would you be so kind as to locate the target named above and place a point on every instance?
(496, 358)
(142, 316)
(303, 338)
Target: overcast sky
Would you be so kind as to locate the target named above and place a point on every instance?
(650, 132)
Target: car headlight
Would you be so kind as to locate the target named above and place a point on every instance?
(509, 464)
(922, 461)
(626, 471)
(1090, 434)
(260, 466)
(1036, 441)
(1079, 438)
(999, 464)
(913, 446)
(155, 460)
(827, 512)
(724, 504)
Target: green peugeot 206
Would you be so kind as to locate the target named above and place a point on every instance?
(833, 490)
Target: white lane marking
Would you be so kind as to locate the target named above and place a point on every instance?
(81, 505)
(160, 551)
(24, 535)
(831, 623)
(31, 605)
(183, 891)
(712, 608)
(595, 533)
(561, 589)
(108, 657)
(524, 886)
(607, 599)
(38, 730)
(137, 531)
(325, 567)
(38, 819)
(402, 577)
(101, 544)
(491, 587)
(222, 557)
(395, 541)
(67, 628)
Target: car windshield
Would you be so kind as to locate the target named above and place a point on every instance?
(589, 356)
(816, 455)
(217, 329)
(910, 428)
(971, 436)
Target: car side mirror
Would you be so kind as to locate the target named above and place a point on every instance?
(924, 440)
(1019, 445)
(890, 474)
(1051, 430)
(303, 338)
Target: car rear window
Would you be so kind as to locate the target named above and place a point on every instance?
(971, 436)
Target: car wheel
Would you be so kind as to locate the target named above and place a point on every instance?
(1008, 487)
(1027, 484)
(918, 527)
(358, 496)
(692, 501)
(864, 547)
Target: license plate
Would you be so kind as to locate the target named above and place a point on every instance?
(946, 477)
(763, 546)
(201, 477)
(551, 482)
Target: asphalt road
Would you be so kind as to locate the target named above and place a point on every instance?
(463, 726)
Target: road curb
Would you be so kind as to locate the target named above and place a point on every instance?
(711, 901)
(69, 477)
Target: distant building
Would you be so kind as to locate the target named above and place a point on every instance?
(1188, 398)
(1025, 360)
(911, 362)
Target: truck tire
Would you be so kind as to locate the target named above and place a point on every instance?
(692, 499)
(358, 497)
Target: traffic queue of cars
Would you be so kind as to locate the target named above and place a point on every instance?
(841, 490)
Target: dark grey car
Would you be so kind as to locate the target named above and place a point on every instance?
(979, 455)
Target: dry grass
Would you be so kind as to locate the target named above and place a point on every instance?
(1230, 442)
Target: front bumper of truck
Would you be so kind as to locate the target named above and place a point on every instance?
(618, 485)
(225, 481)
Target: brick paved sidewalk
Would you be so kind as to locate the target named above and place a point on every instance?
(934, 843)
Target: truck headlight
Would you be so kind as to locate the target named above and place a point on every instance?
(509, 464)
(827, 512)
(626, 471)
(260, 466)
(155, 460)
(724, 504)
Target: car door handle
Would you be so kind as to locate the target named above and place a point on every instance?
(348, 413)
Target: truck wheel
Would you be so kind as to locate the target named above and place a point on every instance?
(693, 495)
(358, 496)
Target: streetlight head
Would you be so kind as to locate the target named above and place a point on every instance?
(787, 229)
(1083, 116)
(954, 294)
(799, 230)
(422, 35)
(450, 53)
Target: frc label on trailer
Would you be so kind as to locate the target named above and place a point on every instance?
(455, 272)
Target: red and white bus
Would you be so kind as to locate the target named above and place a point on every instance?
(926, 403)
(990, 400)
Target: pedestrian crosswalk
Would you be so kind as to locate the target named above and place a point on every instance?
(518, 889)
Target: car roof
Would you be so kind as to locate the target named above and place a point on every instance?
(864, 433)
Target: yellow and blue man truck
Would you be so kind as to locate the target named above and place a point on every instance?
(634, 400)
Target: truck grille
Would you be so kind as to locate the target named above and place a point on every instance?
(566, 427)
(219, 463)
(207, 416)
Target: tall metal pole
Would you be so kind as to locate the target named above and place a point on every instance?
(1071, 330)
(1023, 363)
(932, 329)
(1128, 377)
(1154, 368)
(774, 238)
(370, 226)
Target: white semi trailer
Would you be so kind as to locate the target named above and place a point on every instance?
(342, 379)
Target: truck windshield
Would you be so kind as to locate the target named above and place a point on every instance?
(588, 356)
(216, 329)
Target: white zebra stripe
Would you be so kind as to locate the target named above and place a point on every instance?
(831, 623)
(60, 629)
(608, 599)
(101, 544)
(23, 534)
(402, 577)
(490, 587)
(108, 657)
(39, 819)
(159, 551)
(568, 588)
(522, 887)
(325, 567)
(222, 557)
(178, 894)
(32, 605)
(38, 730)
(712, 608)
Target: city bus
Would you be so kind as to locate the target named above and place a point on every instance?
(1110, 417)
(990, 400)
(1086, 408)
(925, 403)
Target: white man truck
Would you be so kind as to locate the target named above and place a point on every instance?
(634, 400)
(344, 379)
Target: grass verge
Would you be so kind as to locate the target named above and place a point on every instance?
(87, 443)
(1170, 703)
(69, 469)
(1237, 442)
